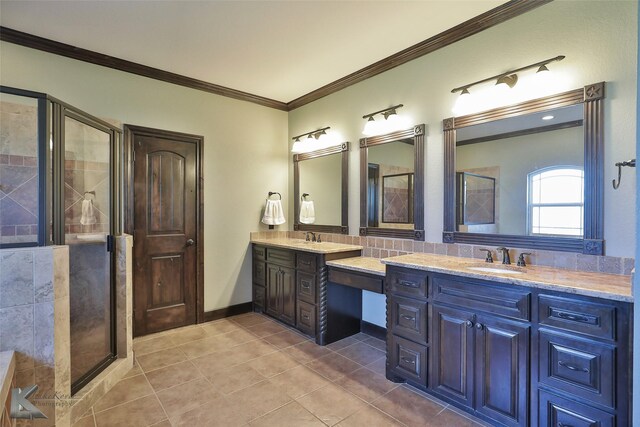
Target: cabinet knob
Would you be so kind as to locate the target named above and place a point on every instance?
(404, 316)
(469, 324)
(190, 242)
(479, 326)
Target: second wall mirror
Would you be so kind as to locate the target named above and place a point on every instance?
(392, 184)
(320, 181)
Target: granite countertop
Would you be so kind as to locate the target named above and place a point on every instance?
(7, 368)
(600, 285)
(362, 264)
(303, 245)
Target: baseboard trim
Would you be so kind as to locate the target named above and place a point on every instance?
(373, 330)
(232, 310)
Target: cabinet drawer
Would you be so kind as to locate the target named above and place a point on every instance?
(258, 297)
(259, 272)
(408, 360)
(481, 296)
(281, 257)
(408, 282)
(409, 318)
(306, 318)
(306, 262)
(597, 320)
(306, 287)
(560, 412)
(260, 252)
(585, 369)
(357, 280)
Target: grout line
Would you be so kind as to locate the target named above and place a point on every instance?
(122, 403)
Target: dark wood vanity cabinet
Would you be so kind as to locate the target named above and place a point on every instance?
(509, 354)
(291, 286)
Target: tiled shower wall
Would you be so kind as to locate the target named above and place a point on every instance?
(378, 247)
(18, 173)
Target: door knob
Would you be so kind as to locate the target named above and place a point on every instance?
(469, 324)
(190, 242)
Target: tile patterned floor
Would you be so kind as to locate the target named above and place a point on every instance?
(249, 370)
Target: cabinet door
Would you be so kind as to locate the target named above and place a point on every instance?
(502, 370)
(452, 373)
(273, 290)
(288, 296)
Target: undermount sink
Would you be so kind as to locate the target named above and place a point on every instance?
(495, 270)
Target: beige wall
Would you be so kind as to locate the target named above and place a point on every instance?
(245, 149)
(599, 41)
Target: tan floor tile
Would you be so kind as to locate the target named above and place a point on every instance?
(163, 423)
(185, 397)
(290, 415)
(199, 348)
(87, 421)
(285, 339)
(189, 335)
(160, 359)
(248, 351)
(234, 338)
(267, 328)
(360, 336)
(339, 345)
(235, 378)
(379, 366)
(249, 319)
(211, 363)
(307, 351)
(152, 345)
(219, 412)
(448, 418)
(331, 404)
(124, 391)
(133, 371)
(376, 343)
(273, 364)
(333, 366)
(299, 381)
(408, 407)
(261, 398)
(365, 384)
(141, 412)
(362, 353)
(173, 375)
(371, 416)
(219, 327)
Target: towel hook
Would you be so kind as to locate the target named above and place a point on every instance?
(304, 195)
(271, 193)
(620, 165)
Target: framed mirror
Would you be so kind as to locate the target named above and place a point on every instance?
(528, 175)
(392, 184)
(320, 186)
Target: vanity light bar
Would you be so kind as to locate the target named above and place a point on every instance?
(386, 112)
(313, 134)
(510, 77)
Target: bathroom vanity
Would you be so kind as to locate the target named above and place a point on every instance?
(290, 281)
(518, 347)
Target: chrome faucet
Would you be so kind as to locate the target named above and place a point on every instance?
(311, 239)
(489, 257)
(505, 255)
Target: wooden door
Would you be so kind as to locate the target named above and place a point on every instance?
(502, 370)
(165, 233)
(273, 291)
(453, 335)
(288, 296)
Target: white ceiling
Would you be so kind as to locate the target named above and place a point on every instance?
(276, 49)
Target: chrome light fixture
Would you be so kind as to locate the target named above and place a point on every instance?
(391, 120)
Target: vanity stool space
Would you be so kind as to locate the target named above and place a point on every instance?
(508, 353)
(290, 282)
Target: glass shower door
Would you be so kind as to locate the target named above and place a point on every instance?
(87, 222)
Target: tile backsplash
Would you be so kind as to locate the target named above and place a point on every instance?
(378, 247)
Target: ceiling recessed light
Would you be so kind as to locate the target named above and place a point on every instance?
(547, 117)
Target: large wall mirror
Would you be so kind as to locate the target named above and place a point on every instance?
(392, 184)
(528, 175)
(320, 181)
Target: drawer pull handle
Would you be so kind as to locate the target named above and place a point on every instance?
(404, 316)
(305, 316)
(469, 324)
(574, 317)
(572, 367)
(407, 360)
(408, 284)
(306, 285)
(305, 262)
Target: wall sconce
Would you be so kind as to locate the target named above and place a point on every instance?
(392, 121)
(503, 82)
(307, 144)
